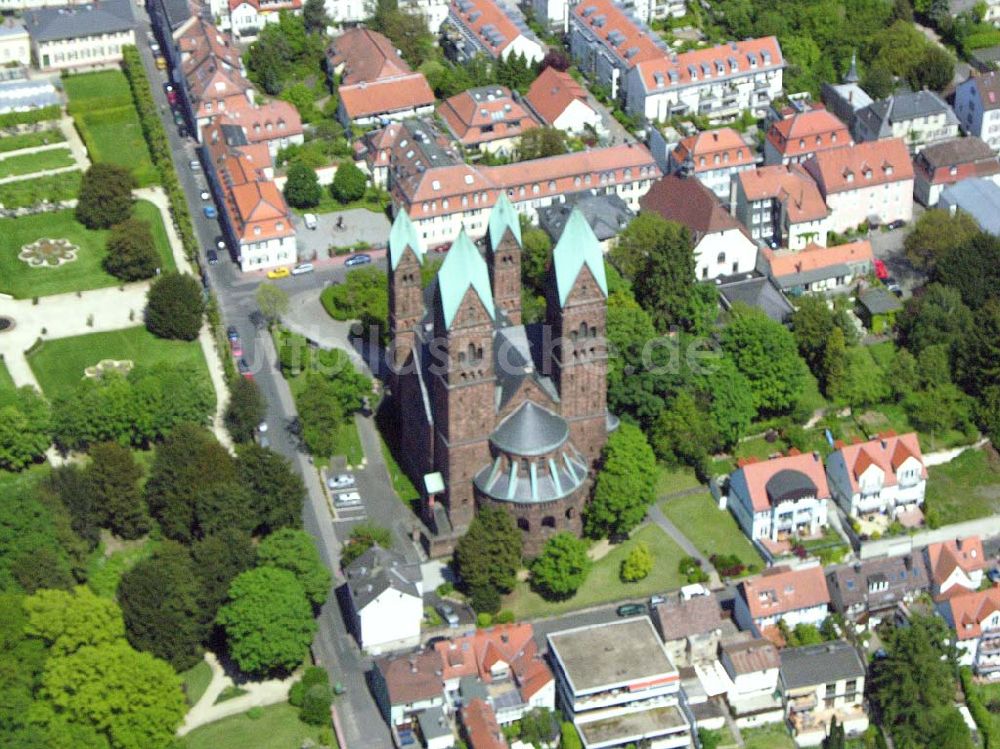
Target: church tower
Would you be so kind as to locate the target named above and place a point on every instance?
(503, 253)
(462, 373)
(406, 302)
(577, 316)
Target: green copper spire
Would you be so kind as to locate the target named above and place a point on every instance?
(502, 217)
(402, 235)
(463, 267)
(578, 246)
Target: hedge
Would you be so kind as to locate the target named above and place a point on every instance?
(30, 117)
(980, 713)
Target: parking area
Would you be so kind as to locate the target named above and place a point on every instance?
(359, 225)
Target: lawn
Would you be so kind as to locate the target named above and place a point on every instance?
(775, 736)
(29, 163)
(278, 727)
(86, 272)
(102, 107)
(6, 381)
(673, 480)
(31, 140)
(964, 489)
(712, 530)
(104, 571)
(22, 193)
(196, 680)
(373, 200)
(59, 364)
(400, 481)
(603, 584)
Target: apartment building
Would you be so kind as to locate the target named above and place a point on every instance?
(815, 269)
(713, 157)
(15, 43)
(951, 161)
(213, 75)
(802, 131)
(656, 10)
(751, 667)
(276, 123)
(975, 617)
(920, 118)
(867, 182)
(691, 626)
(79, 37)
(491, 28)
(977, 106)
(781, 206)
(487, 118)
(871, 590)
(885, 475)
(790, 595)
(618, 686)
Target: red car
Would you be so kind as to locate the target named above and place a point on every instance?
(236, 346)
(881, 272)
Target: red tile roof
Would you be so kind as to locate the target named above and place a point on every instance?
(965, 553)
(481, 726)
(478, 653)
(604, 18)
(480, 14)
(714, 149)
(782, 589)
(806, 132)
(971, 608)
(386, 95)
(689, 202)
(366, 56)
(791, 185)
(758, 474)
(272, 120)
(552, 92)
(412, 678)
(712, 64)
(814, 257)
(861, 166)
(484, 114)
(887, 453)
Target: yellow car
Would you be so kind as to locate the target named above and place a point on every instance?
(279, 273)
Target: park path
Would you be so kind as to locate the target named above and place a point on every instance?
(656, 515)
(73, 143)
(258, 694)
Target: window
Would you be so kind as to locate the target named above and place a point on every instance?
(721, 258)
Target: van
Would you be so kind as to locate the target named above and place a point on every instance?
(310, 220)
(302, 268)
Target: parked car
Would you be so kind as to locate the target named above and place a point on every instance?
(347, 499)
(195, 165)
(257, 318)
(993, 575)
(893, 285)
(881, 272)
(631, 609)
(182, 131)
(206, 195)
(279, 273)
(213, 257)
(231, 333)
(236, 346)
(897, 224)
(161, 64)
(448, 614)
(244, 369)
(210, 211)
(656, 600)
(310, 220)
(302, 269)
(357, 260)
(340, 481)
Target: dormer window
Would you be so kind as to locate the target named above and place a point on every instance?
(888, 170)
(802, 142)
(833, 137)
(849, 176)
(867, 173)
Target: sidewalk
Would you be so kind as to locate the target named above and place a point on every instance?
(656, 515)
(73, 144)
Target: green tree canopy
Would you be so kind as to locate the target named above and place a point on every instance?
(105, 196)
(246, 409)
(635, 243)
(276, 490)
(665, 287)
(978, 352)
(407, 31)
(272, 300)
(112, 481)
(302, 189)
(294, 550)
(638, 564)
(489, 554)
(936, 234)
(363, 537)
(562, 567)
(67, 621)
(25, 428)
(175, 307)
(315, 17)
(131, 251)
(974, 269)
(349, 183)
(625, 484)
(38, 548)
(218, 559)
(540, 142)
(937, 316)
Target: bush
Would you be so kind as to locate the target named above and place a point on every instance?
(727, 565)
(445, 589)
(255, 713)
(175, 307)
(53, 112)
(692, 571)
(105, 197)
(132, 254)
(349, 183)
(637, 565)
(316, 705)
(505, 617)
(484, 619)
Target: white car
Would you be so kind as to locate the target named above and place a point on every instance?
(347, 499)
(340, 481)
(310, 220)
(195, 165)
(206, 195)
(302, 268)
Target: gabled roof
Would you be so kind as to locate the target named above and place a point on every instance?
(879, 116)
(379, 570)
(403, 234)
(711, 65)
(624, 37)
(970, 609)
(552, 92)
(768, 482)
(463, 268)
(366, 56)
(814, 263)
(493, 22)
(269, 121)
(481, 727)
(861, 166)
(805, 132)
(820, 664)
(887, 452)
(791, 185)
(386, 95)
(783, 589)
(503, 217)
(678, 618)
(607, 215)
(964, 553)
(722, 148)
(957, 151)
(576, 248)
(748, 656)
(412, 678)
(76, 21)
(901, 575)
(484, 114)
(689, 202)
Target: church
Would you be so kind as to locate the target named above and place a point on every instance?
(490, 411)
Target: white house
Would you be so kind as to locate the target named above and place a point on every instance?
(781, 206)
(561, 102)
(248, 17)
(975, 617)
(955, 566)
(867, 182)
(977, 106)
(791, 595)
(921, 118)
(15, 43)
(780, 498)
(885, 475)
(553, 14)
(386, 600)
(815, 269)
(491, 28)
(80, 36)
(751, 667)
(722, 246)
(714, 157)
(435, 12)
(404, 686)
(656, 10)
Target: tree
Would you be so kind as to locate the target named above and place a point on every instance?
(488, 556)
(562, 567)
(175, 307)
(245, 411)
(665, 287)
(131, 697)
(294, 550)
(272, 300)
(362, 538)
(302, 189)
(224, 504)
(974, 269)
(637, 565)
(311, 676)
(25, 427)
(349, 183)
(407, 31)
(536, 251)
(977, 359)
(538, 727)
(38, 548)
(935, 69)
(902, 375)
(625, 485)
(268, 621)
(638, 239)
(321, 415)
(67, 621)
(276, 489)
(683, 434)
(131, 251)
(161, 601)
(218, 559)
(864, 382)
(937, 316)
(362, 296)
(105, 196)
(732, 405)
(835, 739)
(834, 372)
(315, 17)
(812, 323)
(556, 58)
(67, 483)
(765, 352)
(988, 413)
(936, 234)
(540, 142)
(112, 481)
(568, 737)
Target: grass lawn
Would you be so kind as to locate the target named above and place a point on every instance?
(372, 200)
(196, 681)
(989, 695)
(278, 727)
(104, 571)
(6, 381)
(59, 364)
(400, 481)
(31, 140)
(964, 489)
(348, 443)
(86, 272)
(603, 585)
(107, 89)
(768, 737)
(22, 193)
(712, 530)
(672, 480)
(29, 163)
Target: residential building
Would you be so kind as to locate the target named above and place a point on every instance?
(618, 686)
(691, 627)
(991, 8)
(15, 43)
(404, 686)
(212, 70)
(718, 82)
(491, 28)
(955, 566)
(435, 12)
(560, 102)
(949, 162)
(607, 215)
(870, 590)
(817, 269)
(386, 600)
(487, 118)
(74, 37)
(782, 594)
(781, 498)
(276, 123)
(376, 83)
(977, 106)
(920, 118)
(802, 131)
(877, 309)
(781, 206)
(975, 617)
(751, 667)
(845, 99)
(755, 290)
(820, 683)
(435, 729)
(722, 245)
(247, 17)
(884, 475)
(978, 197)
(656, 10)
(481, 728)
(256, 221)
(553, 14)
(869, 182)
(714, 157)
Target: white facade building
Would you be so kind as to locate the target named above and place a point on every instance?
(751, 667)
(975, 617)
(714, 158)
(491, 28)
(80, 36)
(386, 600)
(977, 106)
(884, 475)
(15, 43)
(793, 596)
(921, 118)
(434, 11)
(781, 206)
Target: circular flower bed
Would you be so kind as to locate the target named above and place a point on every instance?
(48, 253)
(104, 366)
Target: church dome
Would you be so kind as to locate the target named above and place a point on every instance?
(530, 430)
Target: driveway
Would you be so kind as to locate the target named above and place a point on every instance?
(360, 225)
